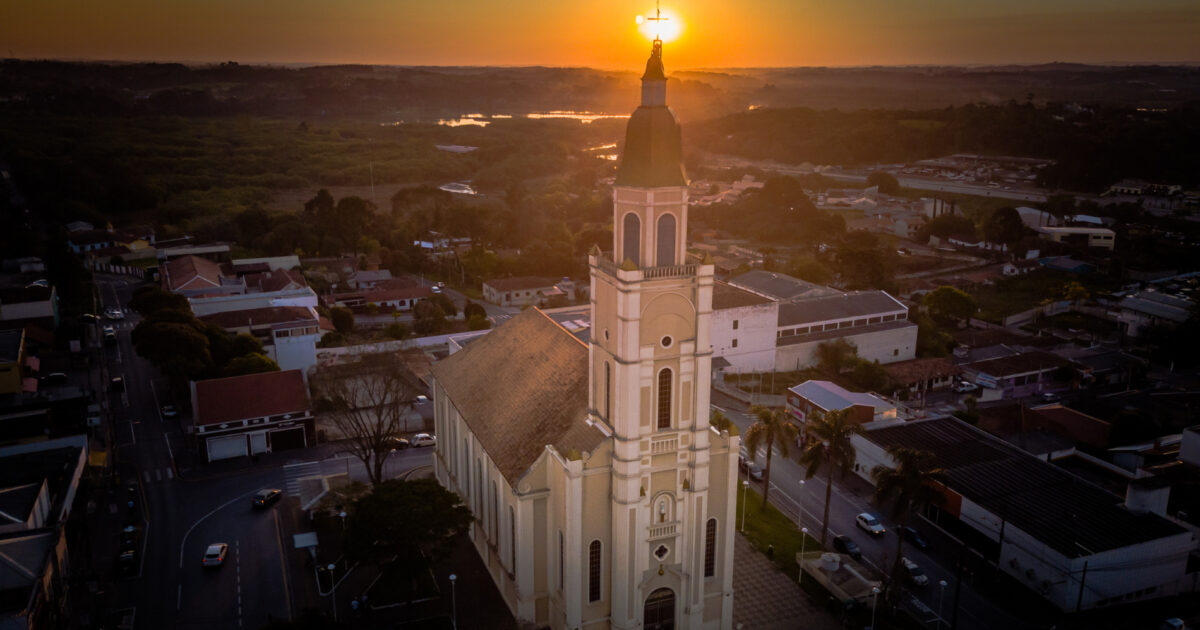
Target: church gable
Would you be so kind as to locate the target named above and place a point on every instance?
(521, 387)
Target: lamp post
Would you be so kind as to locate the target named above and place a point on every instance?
(800, 504)
(941, 595)
(333, 588)
(453, 603)
(803, 540)
(343, 515)
(874, 601)
(745, 498)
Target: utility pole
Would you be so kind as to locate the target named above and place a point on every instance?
(1082, 579)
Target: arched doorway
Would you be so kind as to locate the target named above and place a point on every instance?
(659, 613)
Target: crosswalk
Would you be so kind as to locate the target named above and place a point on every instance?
(293, 473)
(158, 474)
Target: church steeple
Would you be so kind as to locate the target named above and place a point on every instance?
(654, 80)
(653, 155)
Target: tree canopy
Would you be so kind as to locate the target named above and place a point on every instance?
(950, 305)
(887, 183)
(407, 525)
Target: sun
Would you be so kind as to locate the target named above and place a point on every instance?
(668, 29)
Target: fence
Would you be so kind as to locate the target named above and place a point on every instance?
(125, 270)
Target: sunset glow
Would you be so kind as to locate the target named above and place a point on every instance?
(668, 28)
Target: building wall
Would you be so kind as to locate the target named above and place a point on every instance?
(295, 353)
(885, 346)
(222, 304)
(755, 335)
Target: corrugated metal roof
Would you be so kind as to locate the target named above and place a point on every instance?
(835, 307)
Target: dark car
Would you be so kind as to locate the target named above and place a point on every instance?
(913, 536)
(89, 318)
(266, 497)
(743, 463)
(395, 443)
(846, 545)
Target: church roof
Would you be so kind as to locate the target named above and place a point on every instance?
(521, 387)
(653, 154)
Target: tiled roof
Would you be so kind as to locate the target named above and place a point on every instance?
(261, 316)
(917, 370)
(183, 270)
(841, 306)
(1059, 509)
(726, 295)
(378, 295)
(521, 387)
(252, 396)
(520, 283)
(276, 280)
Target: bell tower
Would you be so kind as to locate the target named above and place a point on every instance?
(650, 374)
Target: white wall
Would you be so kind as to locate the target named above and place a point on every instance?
(295, 353)
(755, 335)
(885, 346)
(226, 303)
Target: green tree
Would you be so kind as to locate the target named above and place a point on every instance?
(835, 355)
(1003, 225)
(911, 486)
(809, 269)
(405, 526)
(245, 344)
(829, 447)
(950, 305)
(870, 375)
(722, 422)
(149, 300)
(445, 303)
(253, 363)
(428, 318)
(771, 428)
(887, 183)
(331, 339)
(476, 322)
(1075, 293)
(342, 318)
(931, 342)
(1060, 205)
(472, 309)
(945, 226)
(177, 349)
(354, 215)
(398, 331)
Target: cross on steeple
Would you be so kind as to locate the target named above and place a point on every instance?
(658, 19)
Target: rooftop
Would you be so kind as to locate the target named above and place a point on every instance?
(1024, 363)
(261, 316)
(726, 295)
(182, 271)
(521, 387)
(831, 396)
(1065, 512)
(841, 306)
(918, 370)
(778, 286)
(252, 396)
(1159, 305)
(520, 283)
(844, 332)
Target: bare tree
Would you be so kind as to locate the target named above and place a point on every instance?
(366, 402)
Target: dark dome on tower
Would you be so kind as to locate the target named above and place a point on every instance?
(653, 153)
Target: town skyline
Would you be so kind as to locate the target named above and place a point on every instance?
(714, 35)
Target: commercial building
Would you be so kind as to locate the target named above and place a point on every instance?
(289, 334)
(252, 414)
(1147, 309)
(1085, 236)
(1069, 541)
(1018, 375)
(814, 399)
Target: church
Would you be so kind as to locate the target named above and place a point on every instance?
(602, 496)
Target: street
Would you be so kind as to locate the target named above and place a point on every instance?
(789, 491)
(181, 507)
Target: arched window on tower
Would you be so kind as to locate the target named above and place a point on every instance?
(594, 571)
(666, 240)
(631, 227)
(710, 548)
(664, 398)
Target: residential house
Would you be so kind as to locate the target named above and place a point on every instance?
(402, 298)
(1019, 375)
(1020, 267)
(195, 276)
(368, 279)
(289, 334)
(38, 484)
(84, 242)
(919, 376)
(525, 290)
(252, 414)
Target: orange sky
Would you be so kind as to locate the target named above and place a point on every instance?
(602, 33)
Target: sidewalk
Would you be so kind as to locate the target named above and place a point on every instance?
(765, 598)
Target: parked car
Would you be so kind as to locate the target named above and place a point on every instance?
(756, 473)
(214, 556)
(114, 313)
(743, 463)
(55, 378)
(266, 497)
(1051, 397)
(396, 443)
(421, 399)
(846, 545)
(170, 411)
(913, 572)
(423, 439)
(914, 537)
(89, 318)
(963, 387)
(868, 523)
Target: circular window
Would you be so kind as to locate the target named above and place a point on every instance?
(666, 341)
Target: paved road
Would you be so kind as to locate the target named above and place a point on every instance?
(181, 516)
(789, 494)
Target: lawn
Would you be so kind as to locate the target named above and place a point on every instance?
(1020, 293)
(771, 528)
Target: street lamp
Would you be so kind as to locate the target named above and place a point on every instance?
(800, 504)
(745, 498)
(343, 515)
(803, 540)
(333, 588)
(874, 601)
(941, 595)
(453, 603)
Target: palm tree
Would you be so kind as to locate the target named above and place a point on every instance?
(912, 484)
(831, 449)
(772, 427)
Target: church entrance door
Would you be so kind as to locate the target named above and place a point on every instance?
(659, 613)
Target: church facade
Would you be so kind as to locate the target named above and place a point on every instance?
(602, 496)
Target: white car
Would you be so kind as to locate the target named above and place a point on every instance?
(214, 556)
(423, 439)
(868, 523)
(114, 313)
(963, 387)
